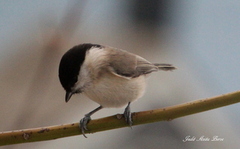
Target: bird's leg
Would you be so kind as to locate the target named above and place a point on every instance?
(86, 119)
(128, 115)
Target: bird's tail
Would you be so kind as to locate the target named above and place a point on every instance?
(165, 67)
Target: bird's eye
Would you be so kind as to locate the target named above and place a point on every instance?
(77, 91)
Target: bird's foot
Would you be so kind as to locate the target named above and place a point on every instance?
(83, 124)
(128, 115)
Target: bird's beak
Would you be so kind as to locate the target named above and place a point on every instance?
(68, 96)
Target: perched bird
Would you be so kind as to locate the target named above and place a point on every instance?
(109, 76)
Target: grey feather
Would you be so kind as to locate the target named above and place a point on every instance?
(165, 67)
(128, 65)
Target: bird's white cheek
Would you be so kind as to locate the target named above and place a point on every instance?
(83, 78)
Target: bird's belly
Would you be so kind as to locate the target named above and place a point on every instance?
(117, 94)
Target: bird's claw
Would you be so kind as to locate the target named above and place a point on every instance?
(128, 116)
(83, 124)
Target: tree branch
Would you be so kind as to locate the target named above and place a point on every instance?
(117, 121)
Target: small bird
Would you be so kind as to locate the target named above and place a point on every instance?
(109, 76)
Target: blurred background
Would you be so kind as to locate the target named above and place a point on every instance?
(200, 38)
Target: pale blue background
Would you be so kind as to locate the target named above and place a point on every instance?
(202, 39)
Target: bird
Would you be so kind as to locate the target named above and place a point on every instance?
(109, 76)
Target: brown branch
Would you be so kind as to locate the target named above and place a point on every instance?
(117, 121)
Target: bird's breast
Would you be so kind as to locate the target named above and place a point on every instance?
(112, 91)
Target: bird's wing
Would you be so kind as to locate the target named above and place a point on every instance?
(128, 65)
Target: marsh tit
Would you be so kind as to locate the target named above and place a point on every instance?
(109, 76)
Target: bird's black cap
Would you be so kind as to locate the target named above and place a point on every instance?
(70, 66)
